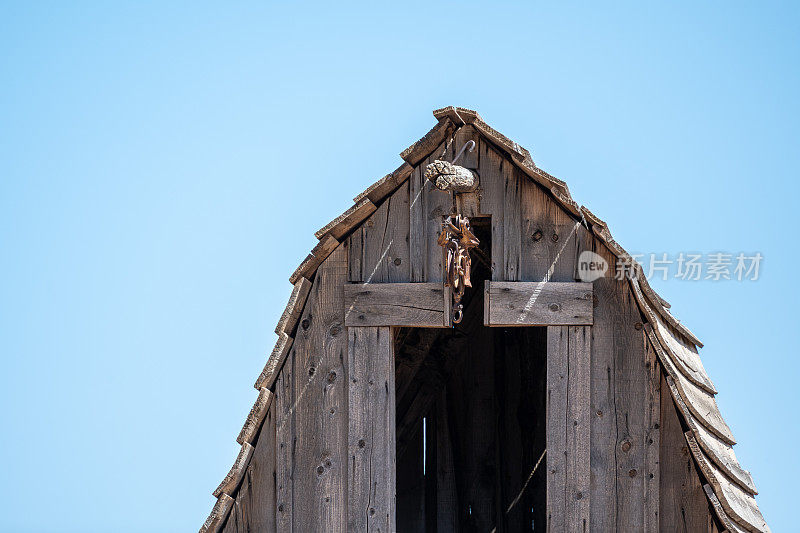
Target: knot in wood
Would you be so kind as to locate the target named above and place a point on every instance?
(554, 307)
(554, 237)
(626, 446)
(305, 323)
(331, 377)
(537, 235)
(632, 472)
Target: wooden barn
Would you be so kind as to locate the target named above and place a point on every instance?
(459, 353)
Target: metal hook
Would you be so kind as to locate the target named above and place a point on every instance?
(469, 143)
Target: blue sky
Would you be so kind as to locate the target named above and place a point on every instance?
(163, 169)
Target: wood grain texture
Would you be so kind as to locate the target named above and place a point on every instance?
(386, 185)
(254, 508)
(394, 304)
(385, 251)
(739, 505)
(568, 428)
(519, 303)
(494, 170)
(720, 451)
(218, 515)
(683, 354)
(285, 438)
(427, 208)
(421, 149)
(683, 506)
(291, 313)
(320, 404)
(623, 415)
(547, 235)
(371, 430)
(700, 403)
(652, 443)
(323, 249)
(236, 473)
(729, 525)
(255, 417)
(275, 362)
(347, 221)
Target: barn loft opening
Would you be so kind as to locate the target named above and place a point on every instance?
(470, 406)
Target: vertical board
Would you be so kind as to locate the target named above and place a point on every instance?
(683, 503)
(320, 389)
(568, 428)
(624, 414)
(254, 509)
(493, 169)
(548, 234)
(385, 241)
(371, 430)
(427, 208)
(285, 443)
(652, 443)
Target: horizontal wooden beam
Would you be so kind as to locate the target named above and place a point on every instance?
(530, 303)
(421, 305)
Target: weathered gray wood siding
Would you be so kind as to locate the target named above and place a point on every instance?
(636, 443)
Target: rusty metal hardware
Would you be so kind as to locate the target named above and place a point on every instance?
(457, 239)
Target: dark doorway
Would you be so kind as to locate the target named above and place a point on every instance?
(471, 424)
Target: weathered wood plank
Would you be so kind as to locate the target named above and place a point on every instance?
(683, 354)
(492, 171)
(347, 221)
(255, 417)
(320, 388)
(652, 442)
(548, 236)
(371, 431)
(291, 314)
(355, 255)
(739, 505)
(519, 303)
(275, 362)
(512, 219)
(254, 509)
(683, 503)
(624, 413)
(322, 250)
(427, 207)
(729, 525)
(427, 144)
(285, 431)
(394, 304)
(219, 513)
(386, 185)
(385, 252)
(236, 473)
(720, 451)
(699, 402)
(568, 428)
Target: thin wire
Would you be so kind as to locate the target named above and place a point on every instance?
(525, 486)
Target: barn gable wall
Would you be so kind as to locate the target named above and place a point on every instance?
(640, 465)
